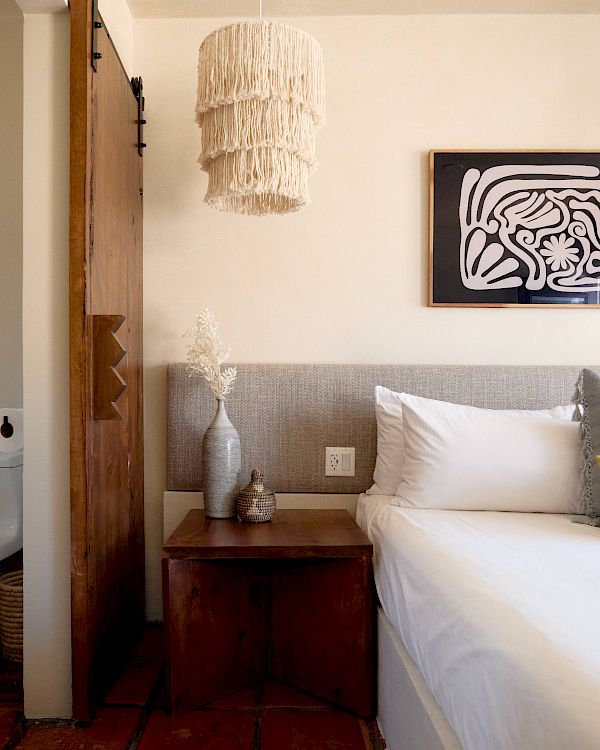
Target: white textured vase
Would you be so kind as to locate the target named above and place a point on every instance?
(221, 465)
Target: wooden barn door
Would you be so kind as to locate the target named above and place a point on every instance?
(107, 524)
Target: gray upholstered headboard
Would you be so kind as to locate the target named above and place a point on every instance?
(287, 414)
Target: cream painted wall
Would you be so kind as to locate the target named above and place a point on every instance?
(346, 280)
(46, 506)
(119, 22)
(11, 205)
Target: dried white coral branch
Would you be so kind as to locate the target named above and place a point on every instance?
(206, 354)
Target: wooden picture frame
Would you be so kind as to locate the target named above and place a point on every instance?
(514, 228)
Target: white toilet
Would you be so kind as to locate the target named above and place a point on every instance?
(11, 481)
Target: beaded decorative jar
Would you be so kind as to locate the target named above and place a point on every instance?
(255, 503)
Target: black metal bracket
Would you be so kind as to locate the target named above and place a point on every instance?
(137, 86)
(96, 24)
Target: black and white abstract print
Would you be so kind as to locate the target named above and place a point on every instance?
(516, 228)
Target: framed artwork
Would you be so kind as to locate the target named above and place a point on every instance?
(514, 228)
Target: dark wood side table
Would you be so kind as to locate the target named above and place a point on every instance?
(292, 599)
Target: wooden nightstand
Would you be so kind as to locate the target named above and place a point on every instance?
(292, 599)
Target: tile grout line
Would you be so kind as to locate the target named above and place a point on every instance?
(270, 709)
(257, 733)
(146, 712)
(19, 734)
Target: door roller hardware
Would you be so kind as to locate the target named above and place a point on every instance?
(96, 24)
(137, 86)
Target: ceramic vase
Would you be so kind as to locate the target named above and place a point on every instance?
(221, 465)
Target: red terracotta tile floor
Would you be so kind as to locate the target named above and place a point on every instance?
(269, 716)
(11, 703)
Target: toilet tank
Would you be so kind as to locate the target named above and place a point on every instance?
(11, 481)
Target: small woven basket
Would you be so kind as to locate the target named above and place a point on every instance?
(255, 503)
(11, 615)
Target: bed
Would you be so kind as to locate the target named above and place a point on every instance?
(500, 613)
(472, 655)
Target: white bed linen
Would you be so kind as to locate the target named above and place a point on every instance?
(501, 613)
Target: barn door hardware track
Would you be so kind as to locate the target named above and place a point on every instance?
(96, 24)
(138, 90)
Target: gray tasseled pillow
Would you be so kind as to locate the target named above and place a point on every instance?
(587, 396)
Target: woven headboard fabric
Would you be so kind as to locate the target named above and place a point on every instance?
(287, 414)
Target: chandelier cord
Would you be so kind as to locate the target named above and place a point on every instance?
(260, 10)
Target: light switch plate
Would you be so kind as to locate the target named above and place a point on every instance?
(339, 462)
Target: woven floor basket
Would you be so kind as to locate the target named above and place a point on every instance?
(11, 615)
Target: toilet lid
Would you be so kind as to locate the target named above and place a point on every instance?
(11, 460)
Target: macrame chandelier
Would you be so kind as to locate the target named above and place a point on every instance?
(261, 98)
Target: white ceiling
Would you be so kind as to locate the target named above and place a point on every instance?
(241, 8)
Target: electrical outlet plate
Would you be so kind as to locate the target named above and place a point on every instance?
(339, 462)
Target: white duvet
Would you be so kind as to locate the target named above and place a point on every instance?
(501, 612)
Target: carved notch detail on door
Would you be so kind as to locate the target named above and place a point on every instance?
(107, 384)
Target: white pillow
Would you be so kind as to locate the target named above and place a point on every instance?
(464, 458)
(390, 442)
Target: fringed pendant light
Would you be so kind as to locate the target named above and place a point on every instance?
(261, 98)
